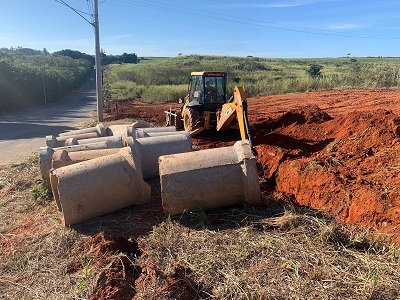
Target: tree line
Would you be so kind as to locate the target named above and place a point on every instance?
(32, 77)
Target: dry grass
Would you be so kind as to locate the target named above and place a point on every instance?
(271, 252)
(35, 249)
(250, 255)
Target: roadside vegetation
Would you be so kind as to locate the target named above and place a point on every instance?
(158, 80)
(31, 77)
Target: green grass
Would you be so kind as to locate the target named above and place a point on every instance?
(158, 80)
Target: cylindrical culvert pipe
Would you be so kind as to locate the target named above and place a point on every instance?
(209, 179)
(45, 157)
(112, 141)
(153, 134)
(55, 142)
(99, 129)
(99, 186)
(141, 132)
(121, 130)
(70, 142)
(62, 158)
(148, 150)
(46, 153)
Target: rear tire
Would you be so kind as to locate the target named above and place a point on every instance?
(191, 119)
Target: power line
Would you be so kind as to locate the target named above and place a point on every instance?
(80, 13)
(246, 21)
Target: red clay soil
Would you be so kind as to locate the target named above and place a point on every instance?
(336, 151)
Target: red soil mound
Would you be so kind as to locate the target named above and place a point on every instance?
(335, 151)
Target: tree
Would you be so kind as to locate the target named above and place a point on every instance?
(314, 70)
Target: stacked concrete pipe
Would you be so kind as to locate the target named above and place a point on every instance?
(143, 132)
(46, 153)
(209, 179)
(55, 142)
(87, 140)
(148, 150)
(99, 129)
(121, 130)
(112, 141)
(62, 158)
(99, 186)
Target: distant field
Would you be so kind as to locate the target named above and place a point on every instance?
(165, 79)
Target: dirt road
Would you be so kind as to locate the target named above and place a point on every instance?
(24, 132)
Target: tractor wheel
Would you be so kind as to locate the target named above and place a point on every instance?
(191, 119)
(178, 121)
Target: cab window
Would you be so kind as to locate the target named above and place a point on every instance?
(214, 89)
(196, 90)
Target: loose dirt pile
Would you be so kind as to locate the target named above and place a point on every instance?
(334, 151)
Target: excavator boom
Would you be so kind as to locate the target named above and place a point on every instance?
(235, 109)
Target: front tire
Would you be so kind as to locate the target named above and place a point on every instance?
(191, 119)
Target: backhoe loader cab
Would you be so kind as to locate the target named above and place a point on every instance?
(207, 90)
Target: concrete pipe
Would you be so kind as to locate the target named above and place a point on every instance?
(62, 158)
(153, 134)
(209, 179)
(99, 129)
(45, 157)
(113, 141)
(98, 186)
(70, 142)
(55, 142)
(141, 132)
(148, 150)
(46, 154)
(120, 130)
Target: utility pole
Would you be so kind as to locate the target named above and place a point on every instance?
(99, 91)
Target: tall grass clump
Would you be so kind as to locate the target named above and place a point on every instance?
(163, 93)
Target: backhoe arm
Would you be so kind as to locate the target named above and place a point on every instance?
(236, 109)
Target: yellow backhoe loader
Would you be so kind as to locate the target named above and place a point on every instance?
(206, 106)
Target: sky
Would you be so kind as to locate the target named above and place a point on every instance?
(165, 28)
